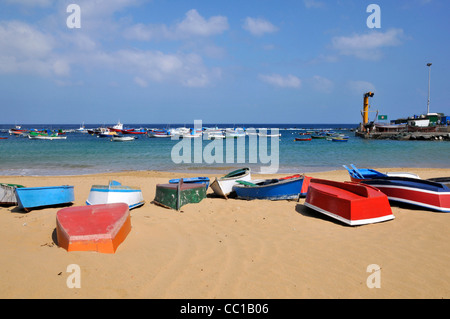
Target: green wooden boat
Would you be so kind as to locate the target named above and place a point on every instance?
(174, 196)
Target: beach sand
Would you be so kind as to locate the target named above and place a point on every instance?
(227, 249)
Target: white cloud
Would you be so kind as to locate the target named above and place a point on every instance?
(191, 26)
(322, 84)
(258, 26)
(313, 4)
(32, 3)
(367, 46)
(28, 50)
(155, 66)
(289, 81)
(360, 87)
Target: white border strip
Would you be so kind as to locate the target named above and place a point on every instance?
(349, 222)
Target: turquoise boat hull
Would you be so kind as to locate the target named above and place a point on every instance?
(36, 197)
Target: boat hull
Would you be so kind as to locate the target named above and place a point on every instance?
(351, 203)
(223, 186)
(174, 196)
(282, 189)
(100, 228)
(426, 194)
(109, 194)
(411, 190)
(35, 197)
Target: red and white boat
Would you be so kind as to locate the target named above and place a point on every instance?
(351, 203)
(99, 228)
(411, 190)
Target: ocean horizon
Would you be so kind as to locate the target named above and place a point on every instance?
(82, 154)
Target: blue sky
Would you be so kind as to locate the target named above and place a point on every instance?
(143, 61)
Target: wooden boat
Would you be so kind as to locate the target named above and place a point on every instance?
(339, 139)
(122, 138)
(100, 228)
(302, 139)
(288, 188)
(356, 174)
(8, 194)
(134, 131)
(158, 133)
(45, 136)
(348, 202)
(115, 192)
(37, 197)
(50, 137)
(223, 186)
(192, 180)
(415, 191)
(174, 196)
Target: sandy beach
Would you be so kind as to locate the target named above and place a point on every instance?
(227, 249)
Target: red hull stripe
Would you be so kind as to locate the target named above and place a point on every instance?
(435, 200)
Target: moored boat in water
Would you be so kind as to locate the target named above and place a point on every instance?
(351, 203)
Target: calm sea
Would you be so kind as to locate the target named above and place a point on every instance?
(86, 154)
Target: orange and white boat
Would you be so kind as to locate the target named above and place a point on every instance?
(99, 228)
(351, 203)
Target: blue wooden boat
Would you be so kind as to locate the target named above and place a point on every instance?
(190, 180)
(356, 174)
(288, 187)
(36, 197)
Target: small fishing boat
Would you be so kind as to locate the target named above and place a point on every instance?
(100, 228)
(419, 192)
(303, 139)
(192, 180)
(8, 194)
(158, 133)
(411, 190)
(223, 186)
(120, 138)
(288, 188)
(339, 139)
(174, 196)
(49, 137)
(45, 136)
(37, 197)
(139, 131)
(351, 203)
(115, 192)
(356, 174)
